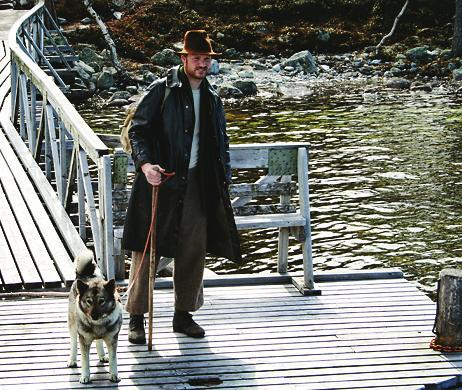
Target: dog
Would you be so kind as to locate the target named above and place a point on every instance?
(95, 313)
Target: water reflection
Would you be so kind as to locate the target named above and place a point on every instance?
(384, 176)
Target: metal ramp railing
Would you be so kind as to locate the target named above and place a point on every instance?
(74, 161)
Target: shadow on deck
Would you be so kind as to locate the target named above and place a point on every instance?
(358, 334)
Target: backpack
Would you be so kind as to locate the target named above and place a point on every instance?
(124, 138)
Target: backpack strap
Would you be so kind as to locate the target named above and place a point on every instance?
(124, 138)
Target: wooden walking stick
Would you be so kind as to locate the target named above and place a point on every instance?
(152, 262)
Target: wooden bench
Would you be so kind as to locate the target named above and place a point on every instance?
(277, 197)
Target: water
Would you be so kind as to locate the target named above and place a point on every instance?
(385, 178)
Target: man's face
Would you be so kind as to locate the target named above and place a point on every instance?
(196, 65)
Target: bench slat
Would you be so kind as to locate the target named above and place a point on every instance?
(257, 209)
(262, 189)
(269, 221)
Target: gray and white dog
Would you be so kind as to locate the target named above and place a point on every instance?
(95, 313)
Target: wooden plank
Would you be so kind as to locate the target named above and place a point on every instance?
(341, 340)
(37, 249)
(63, 222)
(34, 241)
(10, 275)
(24, 262)
(53, 242)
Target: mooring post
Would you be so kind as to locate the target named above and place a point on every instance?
(119, 205)
(448, 321)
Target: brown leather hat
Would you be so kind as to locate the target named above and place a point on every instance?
(197, 42)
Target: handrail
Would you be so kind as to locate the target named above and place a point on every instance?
(59, 138)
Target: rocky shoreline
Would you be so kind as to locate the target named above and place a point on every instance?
(302, 74)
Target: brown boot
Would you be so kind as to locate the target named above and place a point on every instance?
(136, 333)
(183, 323)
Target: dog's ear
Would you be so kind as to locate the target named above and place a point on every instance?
(110, 286)
(81, 287)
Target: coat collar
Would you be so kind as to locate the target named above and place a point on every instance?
(176, 78)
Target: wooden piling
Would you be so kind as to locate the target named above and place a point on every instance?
(447, 328)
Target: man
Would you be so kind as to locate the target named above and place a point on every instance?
(179, 126)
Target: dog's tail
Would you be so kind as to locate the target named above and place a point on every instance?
(84, 264)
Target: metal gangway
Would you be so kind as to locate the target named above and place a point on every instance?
(55, 172)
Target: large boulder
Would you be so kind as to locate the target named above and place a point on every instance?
(229, 91)
(247, 87)
(88, 55)
(303, 59)
(165, 58)
(457, 74)
(399, 83)
(105, 80)
(420, 54)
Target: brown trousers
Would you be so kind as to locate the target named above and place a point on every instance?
(189, 263)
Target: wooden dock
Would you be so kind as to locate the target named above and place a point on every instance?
(363, 334)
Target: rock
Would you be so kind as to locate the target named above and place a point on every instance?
(248, 88)
(96, 67)
(246, 74)
(457, 74)
(231, 53)
(446, 54)
(399, 83)
(84, 75)
(323, 36)
(305, 59)
(88, 55)
(165, 58)
(110, 69)
(229, 91)
(117, 15)
(119, 4)
(395, 71)
(149, 77)
(85, 67)
(177, 46)
(120, 95)
(86, 20)
(259, 65)
(225, 68)
(277, 68)
(420, 54)
(132, 89)
(117, 103)
(105, 80)
(214, 67)
(421, 87)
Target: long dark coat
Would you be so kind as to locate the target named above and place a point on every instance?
(161, 133)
